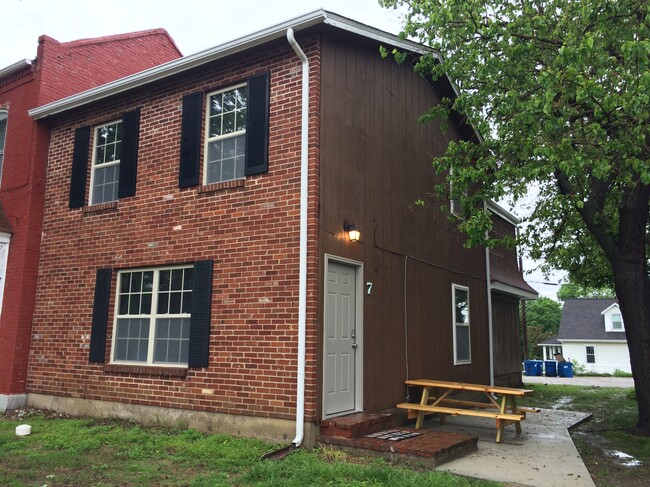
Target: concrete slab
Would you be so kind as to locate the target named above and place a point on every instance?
(543, 455)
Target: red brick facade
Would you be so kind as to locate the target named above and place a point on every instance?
(60, 69)
(249, 230)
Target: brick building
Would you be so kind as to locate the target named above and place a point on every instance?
(59, 70)
(197, 262)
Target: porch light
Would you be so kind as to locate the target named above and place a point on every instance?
(351, 229)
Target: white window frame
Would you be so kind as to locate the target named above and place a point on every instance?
(5, 239)
(455, 324)
(153, 316)
(104, 165)
(209, 139)
(4, 118)
(619, 322)
(587, 354)
(609, 314)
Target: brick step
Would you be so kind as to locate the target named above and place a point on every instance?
(357, 425)
(430, 447)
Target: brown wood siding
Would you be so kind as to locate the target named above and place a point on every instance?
(507, 351)
(375, 163)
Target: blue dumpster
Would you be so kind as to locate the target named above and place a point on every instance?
(540, 366)
(565, 369)
(550, 368)
(532, 367)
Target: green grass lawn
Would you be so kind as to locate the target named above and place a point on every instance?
(611, 429)
(88, 452)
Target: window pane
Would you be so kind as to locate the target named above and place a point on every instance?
(462, 343)
(147, 281)
(124, 305)
(215, 127)
(125, 282)
(172, 347)
(175, 303)
(228, 123)
(164, 280)
(136, 282)
(462, 306)
(134, 304)
(229, 101)
(177, 279)
(163, 303)
(188, 281)
(215, 104)
(187, 303)
(145, 305)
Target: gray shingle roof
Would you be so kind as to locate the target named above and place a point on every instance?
(582, 320)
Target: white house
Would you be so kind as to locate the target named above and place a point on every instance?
(592, 333)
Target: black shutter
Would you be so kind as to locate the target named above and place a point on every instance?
(257, 125)
(129, 157)
(100, 315)
(200, 320)
(188, 174)
(79, 167)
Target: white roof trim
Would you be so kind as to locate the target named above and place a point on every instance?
(512, 290)
(503, 213)
(588, 341)
(610, 308)
(12, 68)
(218, 52)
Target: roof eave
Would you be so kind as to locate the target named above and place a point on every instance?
(512, 290)
(12, 68)
(218, 52)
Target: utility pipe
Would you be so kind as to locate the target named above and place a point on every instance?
(489, 305)
(302, 279)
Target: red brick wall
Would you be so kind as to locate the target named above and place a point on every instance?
(21, 195)
(72, 67)
(59, 70)
(251, 232)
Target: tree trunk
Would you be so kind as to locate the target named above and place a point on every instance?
(632, 283)
(634, 301)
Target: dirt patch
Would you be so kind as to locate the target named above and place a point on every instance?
(607, 465)
(25, 413)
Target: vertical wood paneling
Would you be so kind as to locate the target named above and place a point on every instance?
(375, 163)
(507, 352)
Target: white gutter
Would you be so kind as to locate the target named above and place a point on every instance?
(12, 68)
(218, 52)
(489, 306)
(302, 280)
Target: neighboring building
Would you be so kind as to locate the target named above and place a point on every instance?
(508, 289)
(173, 283)
(59, 70)
(592, 333)
(551, 347)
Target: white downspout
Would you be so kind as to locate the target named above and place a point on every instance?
(302, 280)
(489, 307)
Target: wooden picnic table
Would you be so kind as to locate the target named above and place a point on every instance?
(435, 399)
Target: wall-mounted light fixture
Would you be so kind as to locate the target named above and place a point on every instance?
(351, 230)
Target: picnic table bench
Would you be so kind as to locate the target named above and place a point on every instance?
(504, 412)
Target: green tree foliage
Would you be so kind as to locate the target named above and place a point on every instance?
(576, 291)
(544, 313)
(560, 92)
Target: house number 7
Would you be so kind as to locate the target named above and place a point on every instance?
(369, 286)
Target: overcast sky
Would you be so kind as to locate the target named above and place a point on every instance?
(194, 25)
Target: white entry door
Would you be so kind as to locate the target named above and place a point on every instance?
(341, 337)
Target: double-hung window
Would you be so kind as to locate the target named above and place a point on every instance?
(591, 355)
(461, 320)
(226, 134)
(617, 322)
(3, 135)
(152, 318)
(107, 152)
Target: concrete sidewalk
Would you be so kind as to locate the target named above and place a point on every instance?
(543, 455)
